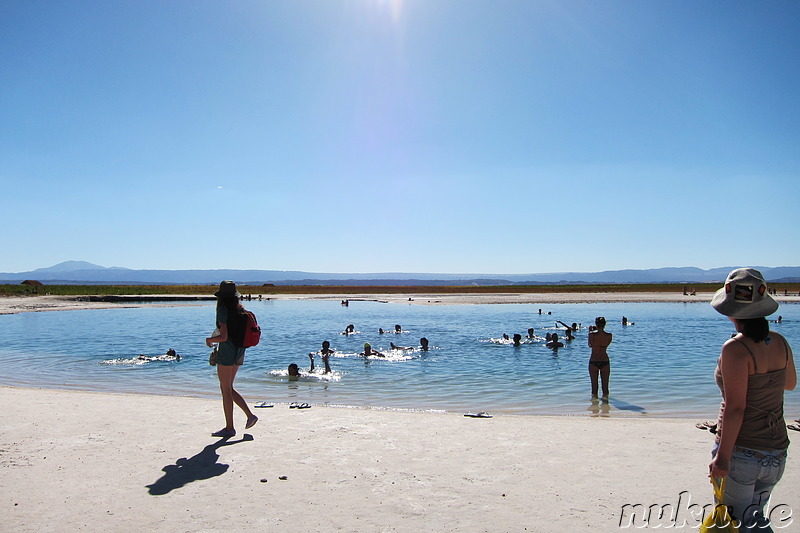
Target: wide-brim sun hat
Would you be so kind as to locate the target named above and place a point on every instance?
(744, 295)
(227, 289)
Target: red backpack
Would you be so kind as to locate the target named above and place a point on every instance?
(244, 330)
(252, 331)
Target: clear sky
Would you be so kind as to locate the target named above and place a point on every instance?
(443, 136)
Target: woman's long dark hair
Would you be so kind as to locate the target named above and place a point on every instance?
(231, 303)
(756, 329)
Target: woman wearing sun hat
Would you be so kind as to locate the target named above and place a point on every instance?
(229, 358)
(753, 370)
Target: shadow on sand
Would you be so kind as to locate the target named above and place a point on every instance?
(203, 465)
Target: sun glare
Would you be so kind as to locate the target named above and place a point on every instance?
(395, 6)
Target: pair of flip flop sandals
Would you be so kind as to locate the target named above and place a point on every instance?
(295, 405)
(711, 425)
(482, 414)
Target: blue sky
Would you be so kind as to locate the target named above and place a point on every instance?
(440, 136)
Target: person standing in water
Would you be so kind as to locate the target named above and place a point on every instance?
(599, 364)
(229, 358)
(325, 352)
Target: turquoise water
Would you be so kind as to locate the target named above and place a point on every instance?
(662, 365)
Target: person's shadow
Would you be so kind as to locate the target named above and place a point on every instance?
(203, 465)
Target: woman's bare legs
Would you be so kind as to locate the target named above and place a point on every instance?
(593, 374)
(226, 375)
(605, 372)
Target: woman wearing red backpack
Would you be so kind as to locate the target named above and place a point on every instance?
(229, 358)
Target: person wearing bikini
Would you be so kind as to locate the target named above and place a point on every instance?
(599, 365)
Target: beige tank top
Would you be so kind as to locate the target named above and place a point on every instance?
(763, 427)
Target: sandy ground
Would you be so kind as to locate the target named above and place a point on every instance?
(83, 461)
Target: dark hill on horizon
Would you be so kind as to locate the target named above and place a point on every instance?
(81, 272)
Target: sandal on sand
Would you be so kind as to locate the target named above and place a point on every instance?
(224, 433)
(251, 422)
(795, 427)
(710, 425)
(264, 404)
(297, 405)
(482, 414)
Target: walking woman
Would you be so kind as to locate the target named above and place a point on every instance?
(599, 364)
(229, 358)
(753, 371)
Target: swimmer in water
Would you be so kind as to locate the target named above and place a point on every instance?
(294, 372)
(554, 342)
(396, 347)
(368, 351)
(349, 329)
(530, 333)
(325, 352)
(171, 355)
(398, 329)
(423, 342)
(517, 339)
(599, 364)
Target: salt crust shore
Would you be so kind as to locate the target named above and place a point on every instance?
(84, 461)
(22, 304)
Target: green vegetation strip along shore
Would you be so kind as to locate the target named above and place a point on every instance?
(207, 290)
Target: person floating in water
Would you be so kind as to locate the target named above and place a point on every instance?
(349, 329)
(517, 339)
(423, 344)
(530, 334)
(599, 364)
(396, 347)
(171, 355)
(368, 351)
(294, 372)
(325, 352)
(398, 329)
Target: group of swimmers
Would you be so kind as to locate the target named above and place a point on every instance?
(599, 339)
(327, 351)
(551, 339)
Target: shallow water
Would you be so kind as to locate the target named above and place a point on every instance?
(662, 365)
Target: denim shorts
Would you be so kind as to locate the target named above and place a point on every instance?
(752, 476)
(229, 355)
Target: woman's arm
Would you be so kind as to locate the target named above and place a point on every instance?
(222, 337)
(791, 372)
(733, 363)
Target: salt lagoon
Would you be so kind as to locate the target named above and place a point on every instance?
(662, 364)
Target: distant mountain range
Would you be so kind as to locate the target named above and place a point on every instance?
(81, 272)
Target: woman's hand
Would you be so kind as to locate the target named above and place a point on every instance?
(719, 467)
(209, 343)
